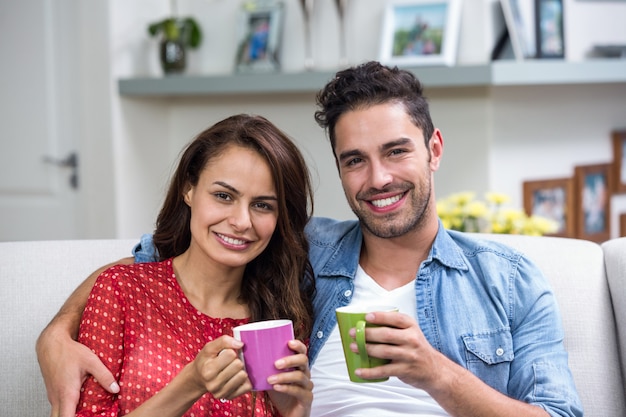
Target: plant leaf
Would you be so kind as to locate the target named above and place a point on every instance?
(195, 34)
(155, 28)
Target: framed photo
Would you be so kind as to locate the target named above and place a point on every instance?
(593, 184)
(420, 32)
(622, 225)
(554, 200)
(260, 33)
(549, 25)
(619, 161)
(519, 17)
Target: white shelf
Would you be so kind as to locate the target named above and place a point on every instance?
(539, 72)
(500, 73)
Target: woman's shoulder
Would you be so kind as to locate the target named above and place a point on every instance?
(138, 272)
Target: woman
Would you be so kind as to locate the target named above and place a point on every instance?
(232, 249)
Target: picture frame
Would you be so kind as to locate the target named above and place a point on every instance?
(554, 200)
(420, 32)
(622, 225)
(259, 36)
(519, 17)
(550, 42)
(619, 161)
(593, 185)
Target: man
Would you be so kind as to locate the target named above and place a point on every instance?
(479, 332)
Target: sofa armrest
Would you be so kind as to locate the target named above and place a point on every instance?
(36, 278)
(615, 262)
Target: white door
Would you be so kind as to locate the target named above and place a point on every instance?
(39, 120)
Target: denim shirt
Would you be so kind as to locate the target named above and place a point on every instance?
(480, 303)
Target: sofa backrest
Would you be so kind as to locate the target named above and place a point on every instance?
(575, 269)
(36, 278)
(615, 261)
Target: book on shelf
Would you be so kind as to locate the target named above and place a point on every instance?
(519, 16)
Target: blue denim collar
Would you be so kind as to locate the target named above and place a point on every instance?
(345, 260)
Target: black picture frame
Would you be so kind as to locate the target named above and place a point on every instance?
(550, 42)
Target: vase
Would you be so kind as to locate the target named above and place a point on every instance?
(307, 14)
(342, 7)
(172, 56)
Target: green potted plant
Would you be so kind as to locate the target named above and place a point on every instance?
(177, 34)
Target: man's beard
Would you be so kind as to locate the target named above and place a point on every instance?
(398, 223)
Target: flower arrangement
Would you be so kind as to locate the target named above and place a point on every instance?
(463, 212)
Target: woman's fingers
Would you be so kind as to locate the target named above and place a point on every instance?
(221, 371)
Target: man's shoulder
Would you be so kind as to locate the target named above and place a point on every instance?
(324, 231)
(477, 243)
(486, 253)
(334, 245)
(145, 251)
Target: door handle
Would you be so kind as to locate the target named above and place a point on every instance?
(70, 161)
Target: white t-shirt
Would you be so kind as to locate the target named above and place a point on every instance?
(335, 395)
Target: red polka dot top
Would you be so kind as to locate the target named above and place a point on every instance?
(141, 325)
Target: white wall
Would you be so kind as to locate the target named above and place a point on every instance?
(586, 23)
(495, 137)
(97, 87)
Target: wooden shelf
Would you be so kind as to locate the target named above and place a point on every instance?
(501, 73)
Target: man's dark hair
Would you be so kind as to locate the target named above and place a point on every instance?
(369, 84)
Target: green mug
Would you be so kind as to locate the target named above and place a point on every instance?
(349, 317)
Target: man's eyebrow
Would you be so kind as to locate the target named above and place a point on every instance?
(349, 154)
(394, 143)
(383, 147)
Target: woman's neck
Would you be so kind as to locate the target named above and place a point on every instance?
(212, 289)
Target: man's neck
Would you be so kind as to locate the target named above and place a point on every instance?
(394, 262)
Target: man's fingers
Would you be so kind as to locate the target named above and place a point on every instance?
(106, 380)
(389, 318)
(102, 374)
(67, 407)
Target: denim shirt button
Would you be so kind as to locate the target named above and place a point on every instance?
(347, 293)
(320, 334)
(499, 351)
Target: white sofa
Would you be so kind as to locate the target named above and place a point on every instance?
(37, 277)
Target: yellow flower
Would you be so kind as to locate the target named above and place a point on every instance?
(540, 225)
(497, 198)
(477, 209)
(461, 199)
(462, 212)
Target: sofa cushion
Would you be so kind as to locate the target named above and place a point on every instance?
(575, 269)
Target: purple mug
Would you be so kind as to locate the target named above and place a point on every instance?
(264, 342)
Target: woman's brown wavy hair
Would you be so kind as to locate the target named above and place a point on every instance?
(279, 283)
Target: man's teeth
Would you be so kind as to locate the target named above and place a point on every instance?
(386, 201)
(232, 241)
